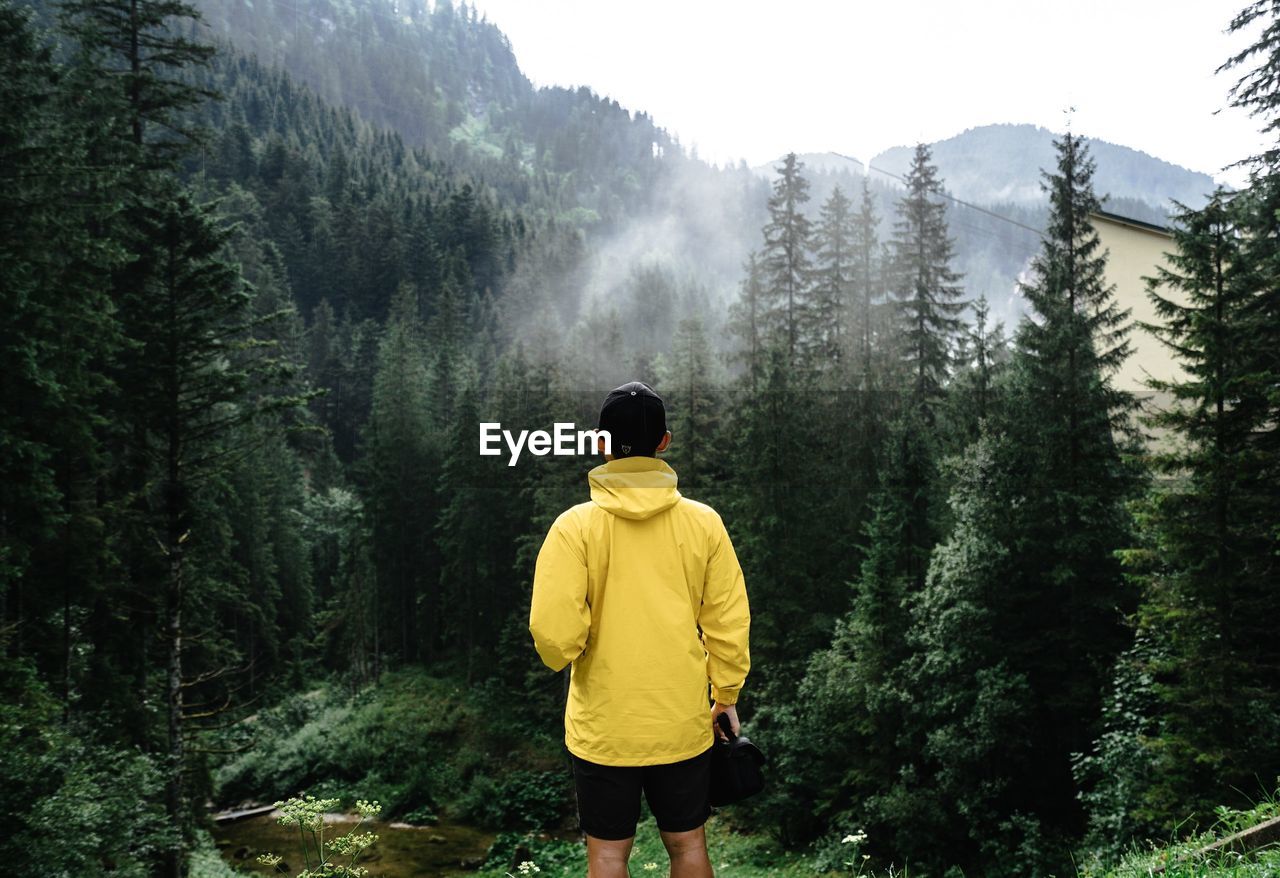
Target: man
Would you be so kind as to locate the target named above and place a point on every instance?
(641, 591)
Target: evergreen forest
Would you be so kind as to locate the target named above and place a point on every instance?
(266, 266)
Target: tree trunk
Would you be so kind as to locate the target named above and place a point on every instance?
(175, 505)
(175, 861)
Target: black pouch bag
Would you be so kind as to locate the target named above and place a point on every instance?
(735, 767)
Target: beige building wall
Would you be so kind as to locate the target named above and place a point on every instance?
(1135, 250)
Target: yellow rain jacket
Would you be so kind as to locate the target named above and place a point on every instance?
(641, 590)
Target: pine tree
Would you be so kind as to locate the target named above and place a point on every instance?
(836, 779)
(747, 320)
(1206, 550)
(1081, 334)
(53, 349)
(167, 417)
(854, 687)
(265, 571)
(792, 569)
(1255, 91)
(400, 473)
(1070, 444)
(980, 359)
(188, 374)
(785, 257)
(323, 363)
(1209, 567)
(829, 303)
(472, 530)
(687, 383)
(867, 282)
(138, 43)
(926, 288)
(971, 794)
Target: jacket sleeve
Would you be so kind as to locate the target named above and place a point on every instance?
(725, 620)
(559, 616)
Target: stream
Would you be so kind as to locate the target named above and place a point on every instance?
(402, 850)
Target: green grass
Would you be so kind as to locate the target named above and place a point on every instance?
(1180, 859)
(742, 855)
(733, 854)
(1225, 865)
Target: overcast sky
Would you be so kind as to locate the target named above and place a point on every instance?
(753, 80)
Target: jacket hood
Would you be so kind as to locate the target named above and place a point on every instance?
(634, 487)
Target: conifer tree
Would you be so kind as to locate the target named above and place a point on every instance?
(347, 610)
(1081, 336)
(189, 374)
(1066, 440)
(139, 44)
(1206, 552)
(472, 532)
(173, 424)
(867, 270)
(829, 303)
(923, 307)
(971, 793)
(785, 257)
(1075, 430)
(265, 585)
(1207, 559)
(53, 349)
(400, 472)
(924, 285)
(980, 358)
(867, 411)
(747, 320)
(448, 334)
(1255, 91)
(1258, 91)
(688, 384)
(850, 689)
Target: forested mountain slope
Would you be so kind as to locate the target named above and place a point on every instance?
(445, 78)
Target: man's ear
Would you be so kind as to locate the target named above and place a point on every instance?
(600, 448)
(666, 440)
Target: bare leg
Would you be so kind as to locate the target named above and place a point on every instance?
(608, 859)
(688, 853)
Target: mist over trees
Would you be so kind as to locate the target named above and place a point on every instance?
(266, 270)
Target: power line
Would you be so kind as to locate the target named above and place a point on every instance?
(991, 213)
(1027, 250)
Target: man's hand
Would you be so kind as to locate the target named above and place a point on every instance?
(731, 710)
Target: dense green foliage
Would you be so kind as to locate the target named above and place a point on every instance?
(248, 545)
(458, 762)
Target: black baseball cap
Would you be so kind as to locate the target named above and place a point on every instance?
(635, 418)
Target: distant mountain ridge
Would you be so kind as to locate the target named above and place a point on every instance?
(1001, 164)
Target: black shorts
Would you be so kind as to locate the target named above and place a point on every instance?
(678, 794)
